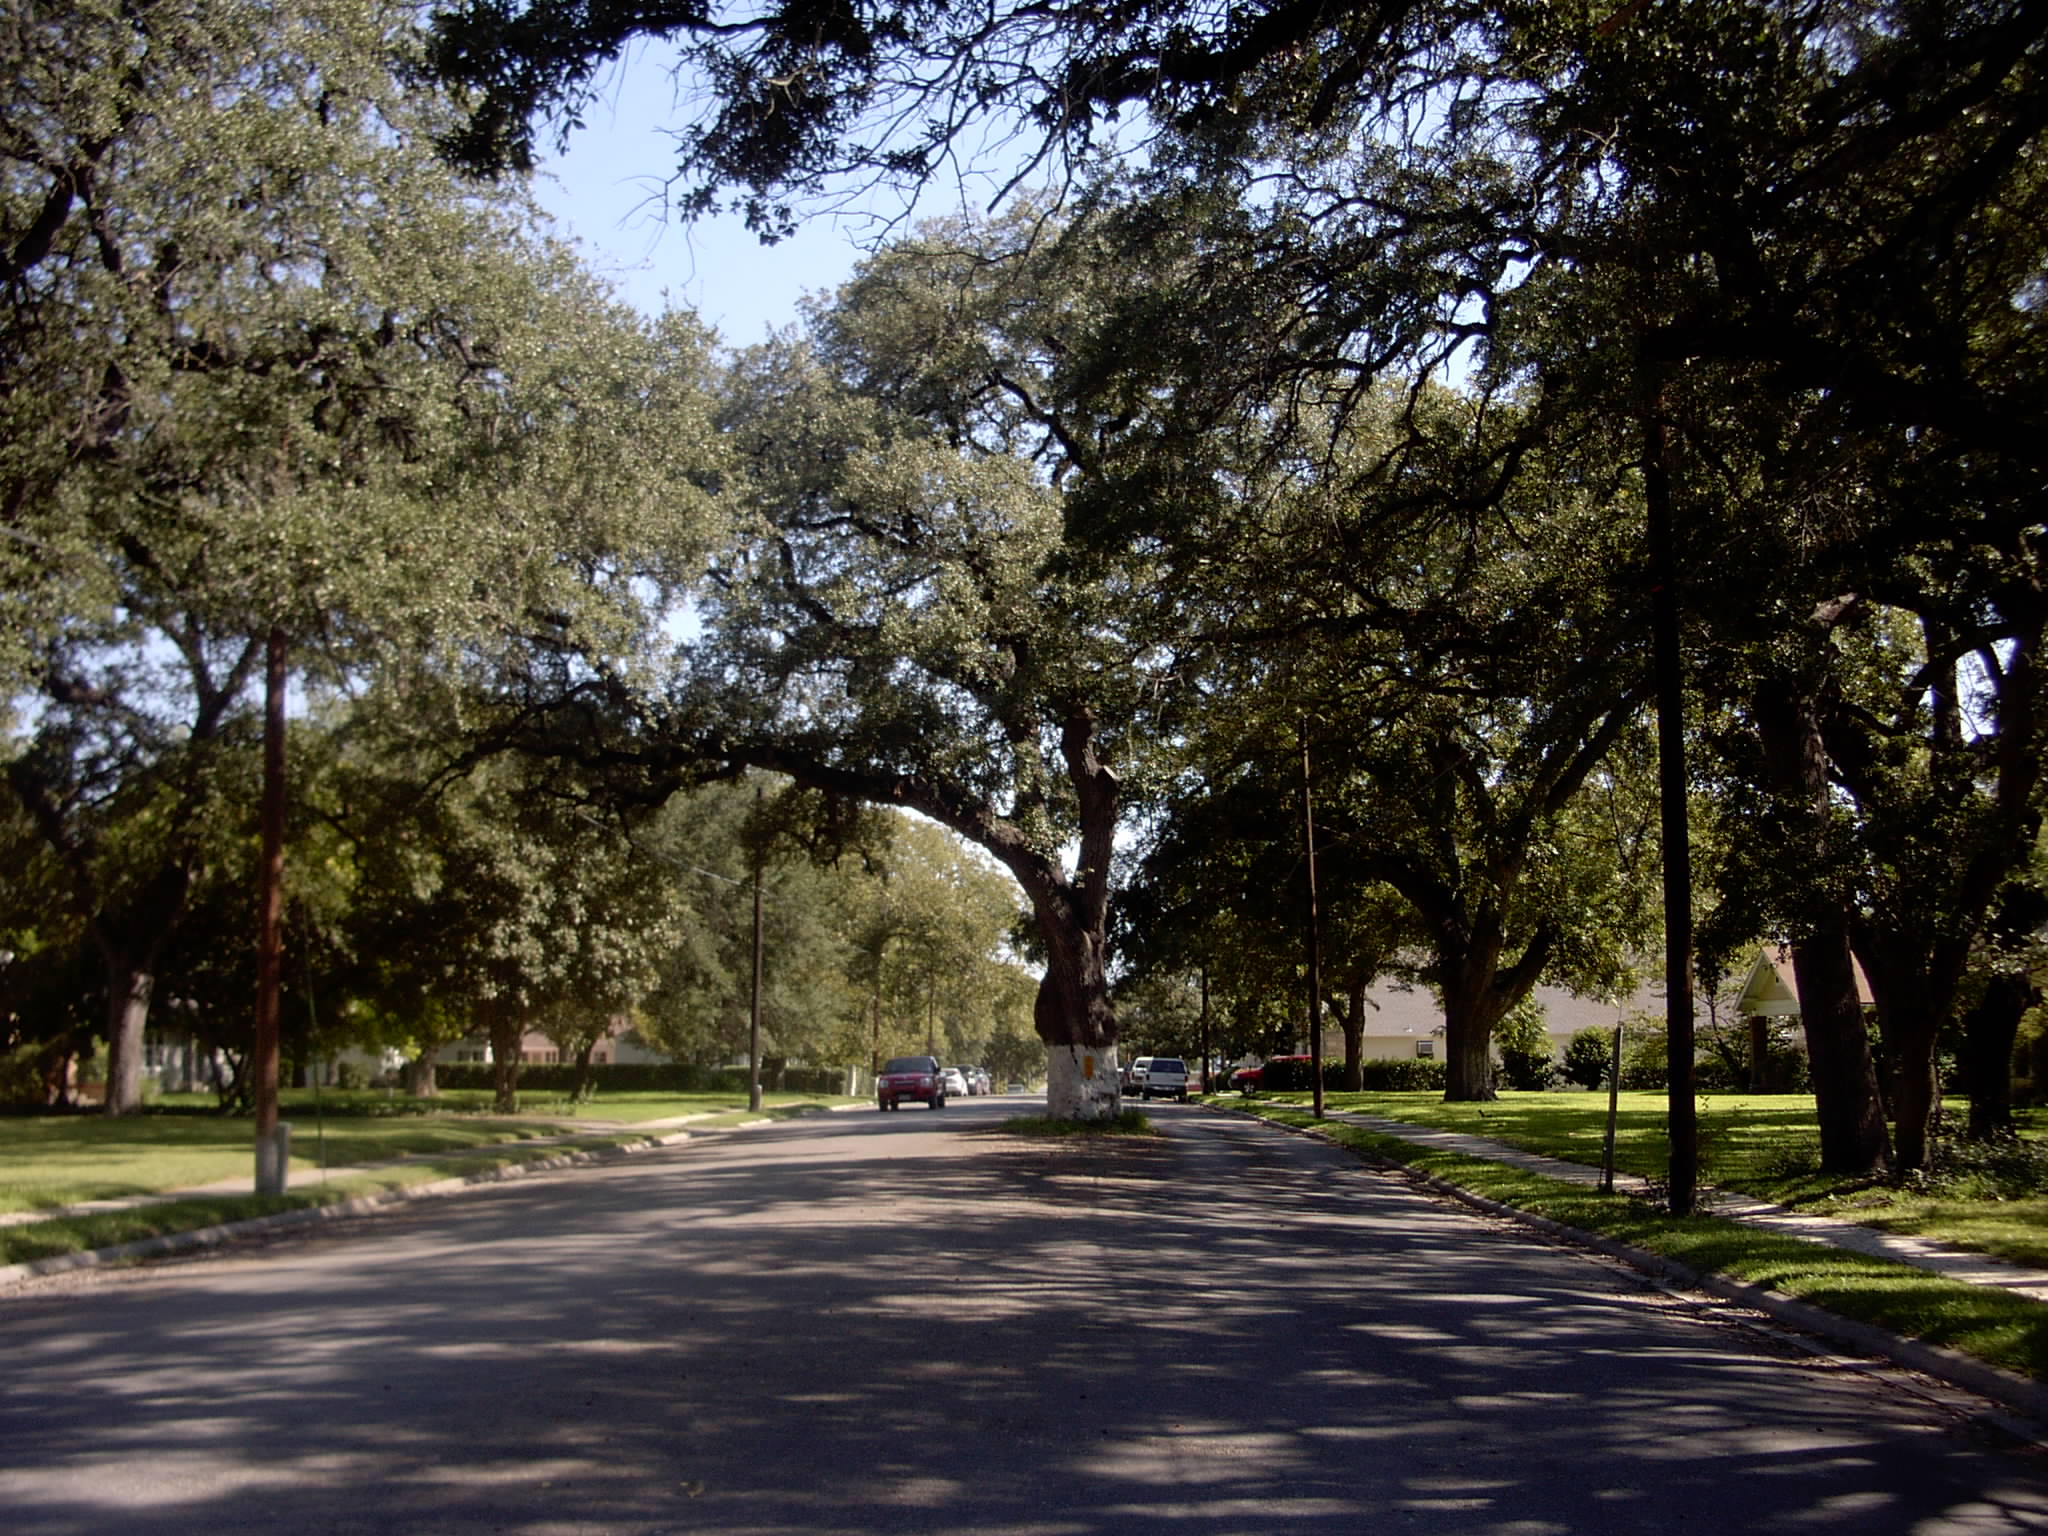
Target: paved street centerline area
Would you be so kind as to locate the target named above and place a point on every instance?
(916, 1323)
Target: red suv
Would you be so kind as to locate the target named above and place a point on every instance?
(911, 1077)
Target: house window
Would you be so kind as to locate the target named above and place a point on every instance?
(1425, 1049)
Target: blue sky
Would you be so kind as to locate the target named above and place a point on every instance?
(605, 190)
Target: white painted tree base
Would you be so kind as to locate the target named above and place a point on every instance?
(1081, 1082)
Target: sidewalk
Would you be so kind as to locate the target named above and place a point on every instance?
(1951, 1263)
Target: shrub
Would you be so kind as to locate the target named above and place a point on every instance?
(1586, 1057)
(1406, 1075)
(1525, 1059)
(637, 1077)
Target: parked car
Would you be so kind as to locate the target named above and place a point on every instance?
(956, 1081)
(1134, 1075)
(978, 1081)
(1286, 1074)
(1166, 1077)
(1246, 1079)
(918, 1078)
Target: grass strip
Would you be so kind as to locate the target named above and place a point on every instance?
(1764, 1145)
(84, 1233)
(1990, 1324)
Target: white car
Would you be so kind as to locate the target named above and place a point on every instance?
(955, 1083)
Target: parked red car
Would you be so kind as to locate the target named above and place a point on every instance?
(919, 1078)
(1293, 1073)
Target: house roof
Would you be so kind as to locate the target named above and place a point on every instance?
(1771, 990)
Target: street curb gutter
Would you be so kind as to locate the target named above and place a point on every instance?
(357, 1205)
(2014, 1391)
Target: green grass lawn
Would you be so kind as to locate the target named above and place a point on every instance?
(1759, 1144)
(1991, 1324)
(55, 1160)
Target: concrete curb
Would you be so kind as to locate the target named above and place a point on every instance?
(2020, 1393)
(356, 1205)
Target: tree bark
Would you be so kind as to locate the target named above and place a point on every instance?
(420, 1074)
(1852, 1130)
(1473, 1004)
(582, 1091)
(505, 1035)
(129, 988)
(1853, 1138)
(1354, 1037)
(1990, 1030)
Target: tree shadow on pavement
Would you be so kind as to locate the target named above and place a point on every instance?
(897, 1323)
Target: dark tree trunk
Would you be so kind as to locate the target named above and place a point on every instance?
(1354, 1037)
(1852, 1134)
(1473, 1004)
(505, 1035)
(1989, 1032)
(582, 1090)
(129, 944)
(419, 1074)
(1910, 1015)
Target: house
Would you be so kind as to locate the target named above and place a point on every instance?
(1404, 1020)
(621, 1043)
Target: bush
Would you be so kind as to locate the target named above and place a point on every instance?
(1407, 1075)
(1586, 1056)
(1528, 1071)
(637, 1077)
(1290, 1074)
(1525, 1059)
(21, 1079)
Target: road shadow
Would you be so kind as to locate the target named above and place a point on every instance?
(920, 1323)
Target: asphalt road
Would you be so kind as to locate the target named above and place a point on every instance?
(912, 1323)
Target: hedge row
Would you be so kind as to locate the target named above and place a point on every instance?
(644, 1077)
(1405, 1075)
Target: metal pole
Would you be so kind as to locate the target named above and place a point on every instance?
(1613, 1108)
(1315, 971)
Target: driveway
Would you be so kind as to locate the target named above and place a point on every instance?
(914, 1323)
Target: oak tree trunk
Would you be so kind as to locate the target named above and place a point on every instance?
(1853, 1138)
(1852, 1134)
(1354, 1038)
(129, 988)
(1473, 1004)
(1989, 1032)
(505, 1035)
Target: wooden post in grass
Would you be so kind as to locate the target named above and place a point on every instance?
(1613, 1109)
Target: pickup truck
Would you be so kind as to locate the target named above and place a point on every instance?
(919, 1078)
(1165, 1077)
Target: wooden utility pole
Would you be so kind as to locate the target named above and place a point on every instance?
(1315, 970)
(272, 1153)
(1676, 822)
